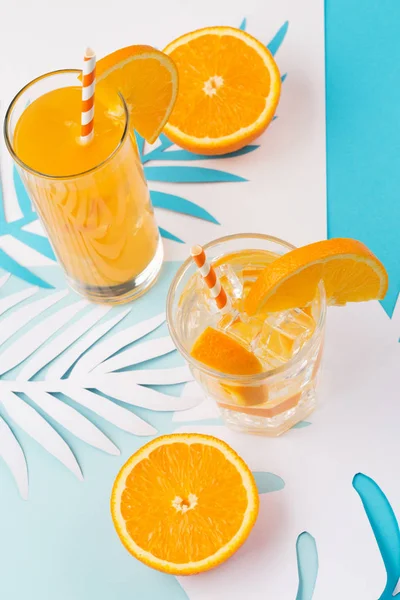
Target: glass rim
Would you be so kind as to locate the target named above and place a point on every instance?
(26, 167)
(257, 377)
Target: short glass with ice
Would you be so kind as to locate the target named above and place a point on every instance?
(288, 344)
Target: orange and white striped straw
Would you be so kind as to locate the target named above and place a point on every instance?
(88, 88)
(209, 275)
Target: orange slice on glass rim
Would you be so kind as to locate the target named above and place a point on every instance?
(184, 503)
(229, 88)
(148, 81)
(349, 270)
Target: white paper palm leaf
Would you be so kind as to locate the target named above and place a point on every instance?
(48, 349)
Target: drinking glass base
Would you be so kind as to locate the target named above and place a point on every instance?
(125, 292)
(270, 426)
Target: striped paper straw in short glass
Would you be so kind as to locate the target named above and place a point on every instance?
(210, 278)
(88, 87)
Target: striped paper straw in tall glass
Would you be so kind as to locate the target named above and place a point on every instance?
(210, 278)
(88, 87)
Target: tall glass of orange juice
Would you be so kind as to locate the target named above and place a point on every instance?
(92, 199)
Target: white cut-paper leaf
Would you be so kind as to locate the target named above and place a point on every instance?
(113, 413)
(39, 429)
(145, 376)
(35, 337)
(97, 354)
(206, 407)
(396, 590)
(11, 452)
(20, 252)
(59, 368)
(137, 354)
(35, 227)
(9, 301)
(4, 279)
(72, 420)
(20, 317)
(120, 387)
(50, 351)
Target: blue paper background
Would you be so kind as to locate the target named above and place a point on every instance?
(363, 127)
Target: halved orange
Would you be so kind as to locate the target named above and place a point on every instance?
(229, 88)
(148, 80)
(184, 503)
(349, 270)
(222, 353)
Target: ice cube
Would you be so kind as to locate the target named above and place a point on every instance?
(282, 336)
(295, 325)
(230, 281)
(245, 330)
(203, 299)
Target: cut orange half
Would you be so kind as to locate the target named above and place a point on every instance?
(229, 87)
(148, 81)
(349, 270)
(184, 503)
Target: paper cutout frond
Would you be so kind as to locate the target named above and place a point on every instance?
(55, 345)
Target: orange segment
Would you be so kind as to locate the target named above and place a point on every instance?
(222, 353)
(184, 503)
(229, 87)
(148, 80)
(349, 270)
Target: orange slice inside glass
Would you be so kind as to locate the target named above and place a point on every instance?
(222, 353)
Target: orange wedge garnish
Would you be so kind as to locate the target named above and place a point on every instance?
(184, 503)
(148, 80)
(349, 270)
(222, 353)
(229, 87)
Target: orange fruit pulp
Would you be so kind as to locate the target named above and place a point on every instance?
(225, 353)
(229, 88)
(184, 503)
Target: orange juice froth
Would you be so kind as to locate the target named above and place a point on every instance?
(92, 198)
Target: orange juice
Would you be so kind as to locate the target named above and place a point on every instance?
(93, 199)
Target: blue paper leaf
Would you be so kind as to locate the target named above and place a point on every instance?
(165, 141)
(185, 155)
(157, 153)
(307, 565)
(2, 214)
(242, 25)
(180, 205)
(277, 40)
(22, 196)
(301, 424)
(12, 266)
(283, 77)
(384, 526)
(189, 175)
(169, 236)
(140, 143)
(37, 242)
(268, 482)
